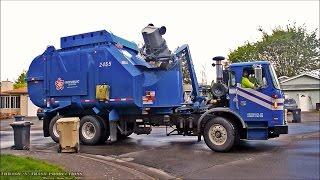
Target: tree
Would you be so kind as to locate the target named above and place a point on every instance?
(185, 70)
(244, 53)
(21, 81)
(204, 75)
(292, 50)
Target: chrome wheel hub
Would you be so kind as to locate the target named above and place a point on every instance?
(218, 134)
(88, 130)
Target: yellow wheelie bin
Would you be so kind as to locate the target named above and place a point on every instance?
(68, 130)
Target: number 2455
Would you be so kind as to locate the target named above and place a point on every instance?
(105, 64)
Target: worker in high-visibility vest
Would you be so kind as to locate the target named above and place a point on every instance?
(245, 82)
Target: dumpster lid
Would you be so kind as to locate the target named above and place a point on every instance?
(68, 119)
(21, 123)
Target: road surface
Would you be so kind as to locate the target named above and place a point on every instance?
(292, 156)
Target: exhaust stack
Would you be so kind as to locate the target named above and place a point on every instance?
(219, 69)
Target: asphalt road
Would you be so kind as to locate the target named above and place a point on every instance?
(292, 156)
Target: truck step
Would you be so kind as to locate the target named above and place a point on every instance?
(257, 133)
(257, 128)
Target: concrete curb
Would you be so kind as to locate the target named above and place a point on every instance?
(125, 162)
(135, 173)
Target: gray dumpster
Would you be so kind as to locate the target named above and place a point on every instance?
(296, 113)
(21, 131)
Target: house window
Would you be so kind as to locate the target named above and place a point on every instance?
(10, 102)
(2, 102)
(7, 105)
(5, 102)
(17, 102)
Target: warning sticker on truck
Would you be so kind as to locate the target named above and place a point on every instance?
(149, 98)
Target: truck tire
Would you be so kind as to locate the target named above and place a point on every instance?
(53, 129)
(105, 132)
(219, 134)
(90, 130)
(237, 132)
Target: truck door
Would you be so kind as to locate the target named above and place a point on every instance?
(253, 104)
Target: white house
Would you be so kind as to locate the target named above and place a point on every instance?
(15, 101)
(304, 88)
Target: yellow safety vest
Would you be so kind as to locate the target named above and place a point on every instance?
(245, 82)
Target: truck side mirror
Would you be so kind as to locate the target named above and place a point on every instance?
(258, 74)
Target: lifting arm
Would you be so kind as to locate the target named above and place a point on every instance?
(184, 51)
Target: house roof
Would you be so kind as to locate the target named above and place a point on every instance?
(314, 74)
(22, 90)
(282, 78)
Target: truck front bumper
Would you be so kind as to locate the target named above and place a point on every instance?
(281, 129)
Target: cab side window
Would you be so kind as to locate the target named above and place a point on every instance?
(248, 72)
(232, 79)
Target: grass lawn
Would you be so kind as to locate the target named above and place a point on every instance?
(20, 167)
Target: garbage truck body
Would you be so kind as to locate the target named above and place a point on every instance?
(117, 89)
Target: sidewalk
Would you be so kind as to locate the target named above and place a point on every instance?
(313, 116)
(85, 166)
(5, 123)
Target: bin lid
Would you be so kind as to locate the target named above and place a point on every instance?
(19, 118)
(68, 120)
(21, 123)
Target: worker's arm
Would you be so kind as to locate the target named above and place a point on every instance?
(254, 81)
(245, 82)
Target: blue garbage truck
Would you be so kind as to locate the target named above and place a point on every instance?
(117, 88)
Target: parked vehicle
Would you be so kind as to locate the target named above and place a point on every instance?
(117, 89)
(290, 104)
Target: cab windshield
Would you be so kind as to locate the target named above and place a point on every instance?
(274, 77)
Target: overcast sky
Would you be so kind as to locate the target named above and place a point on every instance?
(210, 28)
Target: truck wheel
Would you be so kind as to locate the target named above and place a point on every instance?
(90, 130)
(105, 129)
(53, 128)
(237, 131)
(219, 134)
